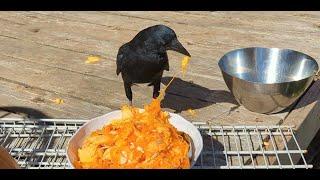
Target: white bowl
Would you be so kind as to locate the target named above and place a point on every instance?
(97, 123)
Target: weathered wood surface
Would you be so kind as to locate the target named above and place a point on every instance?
(43, 55)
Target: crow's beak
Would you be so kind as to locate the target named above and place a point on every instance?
(175, 45)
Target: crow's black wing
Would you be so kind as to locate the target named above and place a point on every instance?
(121, 57)
(119, 63)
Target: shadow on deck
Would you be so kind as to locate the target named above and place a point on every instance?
(182, 95)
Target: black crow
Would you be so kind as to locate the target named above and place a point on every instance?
(144, 58)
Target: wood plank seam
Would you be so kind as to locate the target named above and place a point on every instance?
(55, 92)
(88, 22)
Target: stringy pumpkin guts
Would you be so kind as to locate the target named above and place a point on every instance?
(140, 139)
(184, 64)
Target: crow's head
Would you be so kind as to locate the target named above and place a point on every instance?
(161, 37)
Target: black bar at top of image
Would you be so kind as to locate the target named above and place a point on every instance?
(210, 5)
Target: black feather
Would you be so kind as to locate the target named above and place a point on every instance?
(144, 58)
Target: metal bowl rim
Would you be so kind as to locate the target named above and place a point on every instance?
(266, 84)
(280, 49)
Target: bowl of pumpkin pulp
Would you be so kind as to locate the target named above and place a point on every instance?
(133, 138)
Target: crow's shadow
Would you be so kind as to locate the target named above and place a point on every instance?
(182, 95)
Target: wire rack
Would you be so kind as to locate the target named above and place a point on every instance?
(41, 143)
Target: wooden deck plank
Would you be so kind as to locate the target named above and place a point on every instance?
(73, 62)
(250, 21)
(106, 93)
(78, 41)
(216, 37)
(215, 40)
(64, 60)
(201, 66)
(64, 39)
(94, 90)
(69, 60)
(21, 100)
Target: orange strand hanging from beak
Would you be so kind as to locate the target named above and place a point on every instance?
(184, 63)
(162, 91)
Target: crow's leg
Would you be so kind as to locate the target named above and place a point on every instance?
(127, 88)
(156, 88)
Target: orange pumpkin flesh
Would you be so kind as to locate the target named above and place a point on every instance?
(140, 139)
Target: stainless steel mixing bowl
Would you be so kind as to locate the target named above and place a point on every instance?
(267, 80)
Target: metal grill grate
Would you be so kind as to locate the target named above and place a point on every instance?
(41, 144)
